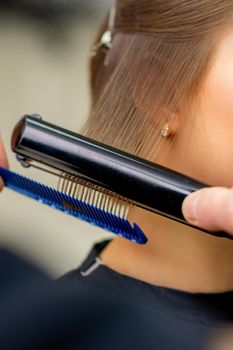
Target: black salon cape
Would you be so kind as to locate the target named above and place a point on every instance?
(37, 313)
(94, 307)
(154, 317)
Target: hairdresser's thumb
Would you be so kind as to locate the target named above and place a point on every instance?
(210, 209)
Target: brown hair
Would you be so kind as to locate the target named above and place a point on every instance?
(162, 50)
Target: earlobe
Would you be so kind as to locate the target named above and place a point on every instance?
(174, 122)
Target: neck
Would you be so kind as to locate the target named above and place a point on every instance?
(176, 256)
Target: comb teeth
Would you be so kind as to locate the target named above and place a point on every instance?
(73, 206)
(94, 195)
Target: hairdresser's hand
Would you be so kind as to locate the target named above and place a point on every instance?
(3, 160)
(210, 209)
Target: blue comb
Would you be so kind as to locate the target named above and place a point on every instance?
(72, 206)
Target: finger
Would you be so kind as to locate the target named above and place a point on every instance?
(210, 209)
(3, 157)
(3, 161)
(1, 184)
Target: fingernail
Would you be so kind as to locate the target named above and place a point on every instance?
(189, 208)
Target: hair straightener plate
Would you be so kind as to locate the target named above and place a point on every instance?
(78, 161)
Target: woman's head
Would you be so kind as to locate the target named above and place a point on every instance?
(170, 62)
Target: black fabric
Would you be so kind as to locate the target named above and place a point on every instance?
(103, 310)
(155, 317)
(36, 313)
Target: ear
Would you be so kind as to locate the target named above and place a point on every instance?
(156, 116)
(173, 121)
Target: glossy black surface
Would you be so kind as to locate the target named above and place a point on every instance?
(150, 186)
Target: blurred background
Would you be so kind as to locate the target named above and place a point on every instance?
(44, 52)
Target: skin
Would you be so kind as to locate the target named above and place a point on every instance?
(177, 256)
(211, 209)
(3, 160)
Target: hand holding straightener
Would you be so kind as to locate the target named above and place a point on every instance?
(210, 209)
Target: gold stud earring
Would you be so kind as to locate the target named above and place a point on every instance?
(165, 131)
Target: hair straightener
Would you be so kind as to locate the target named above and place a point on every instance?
(97, 183)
